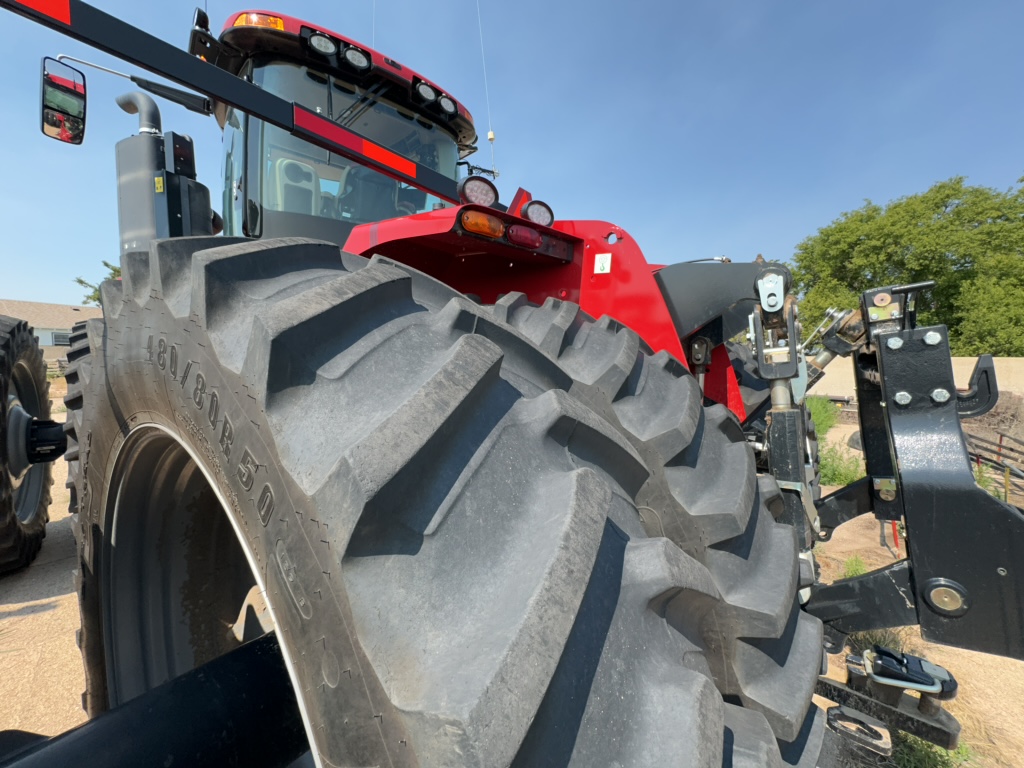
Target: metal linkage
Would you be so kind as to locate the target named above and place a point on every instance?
(775, 336)
(905, 714)
(877, 683)
(875, 600)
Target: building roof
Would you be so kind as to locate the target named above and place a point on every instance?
(60, 317)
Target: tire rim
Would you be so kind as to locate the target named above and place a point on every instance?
(27, 480)
(180, 589)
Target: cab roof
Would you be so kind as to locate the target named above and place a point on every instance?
(258, 31)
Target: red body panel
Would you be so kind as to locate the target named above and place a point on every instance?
(720, 382)
(627, 292)
(488, 268)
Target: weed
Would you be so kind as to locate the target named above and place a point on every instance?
(983, 476)
(854, 566)
(911, 752)
(838, 467)
(824, 412)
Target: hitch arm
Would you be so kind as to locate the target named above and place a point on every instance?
(982, 392)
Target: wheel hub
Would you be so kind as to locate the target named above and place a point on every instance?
(19, 421)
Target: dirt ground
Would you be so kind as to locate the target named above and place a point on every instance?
(990, 702)
(41, 680)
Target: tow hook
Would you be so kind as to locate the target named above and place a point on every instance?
(860, 729)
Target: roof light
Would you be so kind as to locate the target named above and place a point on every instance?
(259, 20)
(483, 224)
(477, 190)
(357, 58)
(425, 92)
(538, 213)
(323, 44)
(447, 104)
(520, 234)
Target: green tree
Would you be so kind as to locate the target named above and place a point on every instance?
(970, 240)
(93, 296)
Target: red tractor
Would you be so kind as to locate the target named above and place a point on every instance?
(369, 463)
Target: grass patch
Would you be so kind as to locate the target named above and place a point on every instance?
(838, 467)
(911, 752)
(824, 412)
(888, 638)
(988, 480)
(854, 566)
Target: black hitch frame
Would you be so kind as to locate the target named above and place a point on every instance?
(962, 581)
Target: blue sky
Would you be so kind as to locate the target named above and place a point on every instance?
(719, 127)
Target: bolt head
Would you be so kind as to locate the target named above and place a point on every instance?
(887, 495)
(903, 398)
(932, 338)
(947, 599)
(894, 343)
(940, 395)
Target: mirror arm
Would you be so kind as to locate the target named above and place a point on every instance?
(189, 101)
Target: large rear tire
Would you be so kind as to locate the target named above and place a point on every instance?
(24, 487)
(484, 536)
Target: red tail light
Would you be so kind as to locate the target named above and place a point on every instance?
(524, 236)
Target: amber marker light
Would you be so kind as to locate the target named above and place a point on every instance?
(482, 224)
(259, 20)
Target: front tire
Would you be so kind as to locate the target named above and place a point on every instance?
(484, 536)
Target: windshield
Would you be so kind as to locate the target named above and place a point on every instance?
(299, 178)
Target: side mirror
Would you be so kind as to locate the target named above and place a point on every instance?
(63, 102)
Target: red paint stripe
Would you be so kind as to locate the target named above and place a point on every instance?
(59, 10)
(321, 126)
(389, 158)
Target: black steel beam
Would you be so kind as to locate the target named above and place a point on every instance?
(843, 505)
(875, 600)
(109, 34)
(874, 433)
(238, 710)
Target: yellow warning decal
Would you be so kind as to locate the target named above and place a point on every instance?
(159, 181)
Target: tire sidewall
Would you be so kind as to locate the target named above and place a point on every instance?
(163, 377)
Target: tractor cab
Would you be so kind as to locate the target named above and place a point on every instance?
(275, 183)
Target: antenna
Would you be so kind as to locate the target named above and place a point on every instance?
(487, 95)
(373, 28)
